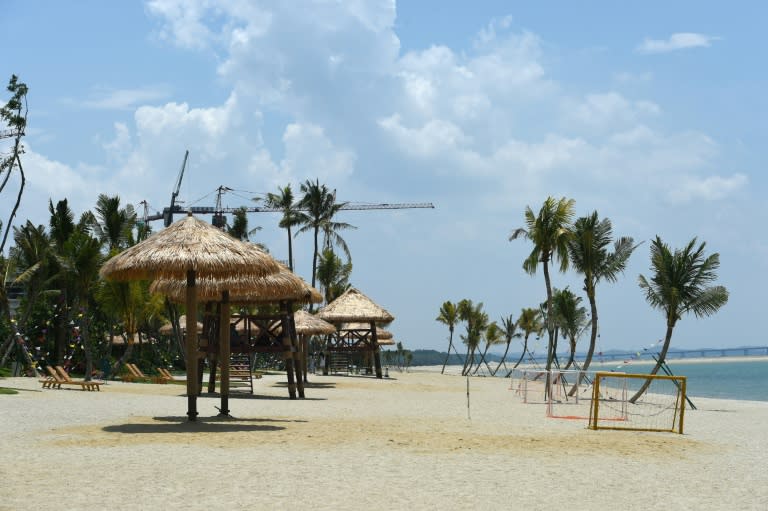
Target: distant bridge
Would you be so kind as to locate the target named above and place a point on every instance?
(751, 351)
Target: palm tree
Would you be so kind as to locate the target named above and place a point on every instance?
(590, 256)
(493, 335)
(509, 329)
(113, 225)
(284, 201)
(680, 284)
(549, 231)
(333, 275)
(477, 322)
(530, 323)
(448, 316)
(570, 318)
(239, 228)
(62, 226)
(321, 206)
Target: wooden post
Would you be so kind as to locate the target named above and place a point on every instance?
(376, 353)
(295, 349)
(287, 351)
(304, 344)
(224, 353)
(191, 346)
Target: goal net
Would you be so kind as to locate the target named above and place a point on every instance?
(660, 408)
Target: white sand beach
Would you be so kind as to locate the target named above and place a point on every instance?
(359, 443)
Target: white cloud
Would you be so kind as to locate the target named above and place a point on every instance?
(609, 109)
(677, 41)
(124, 99)
(310, 154)
(709, 188)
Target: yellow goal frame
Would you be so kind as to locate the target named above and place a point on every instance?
(679, 405)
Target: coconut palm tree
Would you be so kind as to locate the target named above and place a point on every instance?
(14, 116)
(509, 329)
(571, 319)
(549, 230)
(239, 228)
(530, 323)
(284, 201)
(112, 224)
(476, 323)
(680, 284)
(333, 275)
(493, 335)
(590, 256)
(448, 316)
(320, 207)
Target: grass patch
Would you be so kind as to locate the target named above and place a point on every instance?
(3, 390)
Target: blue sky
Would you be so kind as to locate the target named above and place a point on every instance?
(653, 114)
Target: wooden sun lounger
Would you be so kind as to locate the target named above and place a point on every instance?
(89, 385)
(165, 374)
(55, 380)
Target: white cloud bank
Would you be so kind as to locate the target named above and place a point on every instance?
(677, 41)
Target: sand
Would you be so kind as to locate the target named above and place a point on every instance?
(359, 443)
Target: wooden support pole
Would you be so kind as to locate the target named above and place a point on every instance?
(376, 353)
(224, 353)
(304, 344)
(287, 351)
(191, 346)
(295, 349)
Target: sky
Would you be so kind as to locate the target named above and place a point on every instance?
(651, 113)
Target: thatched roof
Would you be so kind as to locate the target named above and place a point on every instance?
(307, 324)
(386, 342)
(380, 332)
(354, 306)
(276, 287)
(189, 244)
(167, 329)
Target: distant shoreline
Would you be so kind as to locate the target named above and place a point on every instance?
(454, 368)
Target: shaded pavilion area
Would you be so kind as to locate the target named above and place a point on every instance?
(356, 318)
(272, 330)
(188, 250)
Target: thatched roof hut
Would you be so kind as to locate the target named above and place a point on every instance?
(167, 328)
(189, 244)
(354, 306)
(277, 287)
(188, 249)
(307, 324)
(381, 333)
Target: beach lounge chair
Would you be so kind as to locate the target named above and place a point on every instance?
(51, 381)
(165, 374)
(139, 375)
(88, 385)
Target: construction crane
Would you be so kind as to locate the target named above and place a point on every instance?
(168, 212)
(218, 211)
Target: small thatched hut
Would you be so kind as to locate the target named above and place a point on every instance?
(308, 325)
(187, 250)
(354, 307)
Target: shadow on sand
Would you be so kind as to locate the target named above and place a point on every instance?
(216, 424)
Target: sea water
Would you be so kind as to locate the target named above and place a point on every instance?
(729, 379)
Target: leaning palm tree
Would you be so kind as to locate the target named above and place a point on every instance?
(680, 284)
(448, 316)
(571, 319)
(509, 329)
(476, 323)
(284, 201)
(239, 228)
(549, 230)
(591, 257)
(493, 335)
(530, 323)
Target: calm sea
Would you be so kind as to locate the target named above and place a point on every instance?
(733, 379)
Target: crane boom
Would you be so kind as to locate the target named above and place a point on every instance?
(168, 212)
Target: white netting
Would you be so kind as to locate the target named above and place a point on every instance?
(659, 408)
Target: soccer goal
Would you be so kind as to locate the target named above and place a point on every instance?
(570, 393)
(660, 408)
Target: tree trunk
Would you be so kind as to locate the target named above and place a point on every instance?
(314, 269)
(522, 355)
(450, 345)
(503, 357)
(550, 323)
(290, 249)
(659, 362)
